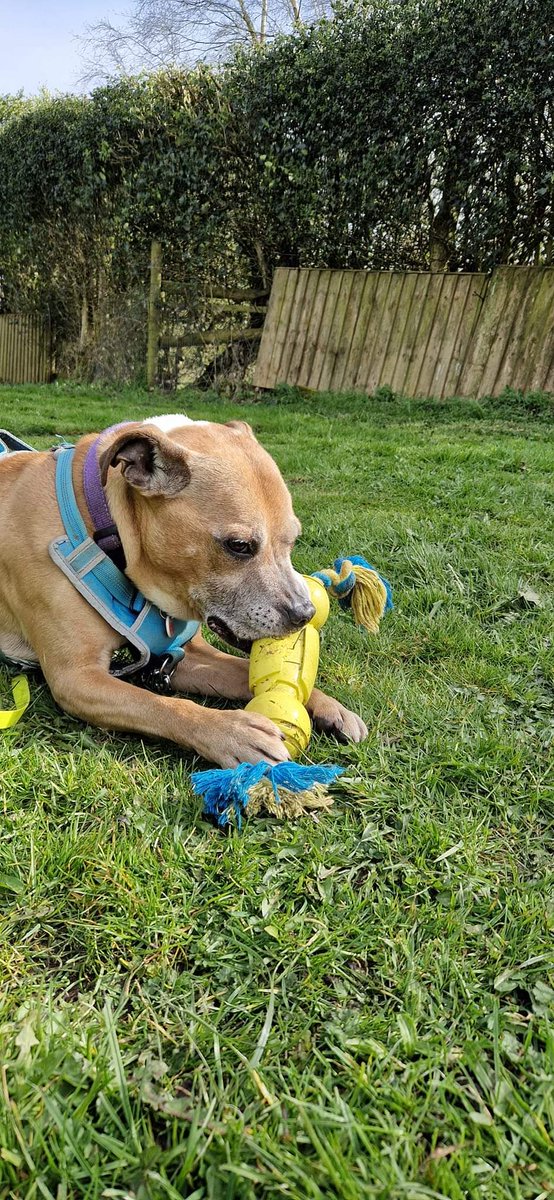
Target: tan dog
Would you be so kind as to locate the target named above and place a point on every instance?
(207, 527)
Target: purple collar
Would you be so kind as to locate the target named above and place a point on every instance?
(105, 530)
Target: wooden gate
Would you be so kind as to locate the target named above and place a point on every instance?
(167, 305)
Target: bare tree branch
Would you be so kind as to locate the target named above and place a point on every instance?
(158, 33)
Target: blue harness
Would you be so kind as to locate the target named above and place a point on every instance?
(108, 590)
(159, 640)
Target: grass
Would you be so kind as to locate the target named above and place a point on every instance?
(359, 1006)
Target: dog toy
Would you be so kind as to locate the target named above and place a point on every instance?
(283, 671)
(282, 676)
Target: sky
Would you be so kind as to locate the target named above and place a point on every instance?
(37, 42)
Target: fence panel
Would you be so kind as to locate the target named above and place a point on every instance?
(25, 349)
(419, 333)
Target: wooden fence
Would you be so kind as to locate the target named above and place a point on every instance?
(25, 349)
(418, 333)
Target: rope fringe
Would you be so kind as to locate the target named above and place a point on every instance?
(285, 790)
(357, 585)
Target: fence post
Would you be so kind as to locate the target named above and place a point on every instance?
(154, 314)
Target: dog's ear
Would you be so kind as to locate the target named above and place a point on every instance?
(241, 427)
(150, 462)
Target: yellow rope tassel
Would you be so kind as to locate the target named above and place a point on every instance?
(369, 598)
(358, 586)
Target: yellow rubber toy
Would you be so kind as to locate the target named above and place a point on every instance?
(283, 673)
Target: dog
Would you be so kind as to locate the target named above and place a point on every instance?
(205, 528)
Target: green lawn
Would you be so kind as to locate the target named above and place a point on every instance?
(355, 1006)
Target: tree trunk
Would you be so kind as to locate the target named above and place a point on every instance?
(441, 236)
(154, 315)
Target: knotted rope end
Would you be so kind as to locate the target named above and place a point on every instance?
(357, 585)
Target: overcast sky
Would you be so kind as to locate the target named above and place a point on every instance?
(37, 41)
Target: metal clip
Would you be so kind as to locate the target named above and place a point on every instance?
(157, 678)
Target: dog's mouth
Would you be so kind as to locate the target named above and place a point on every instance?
(224, 632)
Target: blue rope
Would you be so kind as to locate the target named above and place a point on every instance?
(225, 790)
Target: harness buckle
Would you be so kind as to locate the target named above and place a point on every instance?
(157, 675)
(109, 531)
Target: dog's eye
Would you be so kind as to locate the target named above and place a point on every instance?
(239, 548)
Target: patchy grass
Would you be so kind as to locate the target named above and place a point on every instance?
(360, 1006)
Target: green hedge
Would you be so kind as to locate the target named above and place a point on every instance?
(403, 133)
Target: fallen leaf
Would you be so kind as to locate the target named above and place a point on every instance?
(26, 1040)
(529, 598)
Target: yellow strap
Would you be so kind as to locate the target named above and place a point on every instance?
(22, 697)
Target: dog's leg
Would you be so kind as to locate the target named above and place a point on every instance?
(206, 671)
(330, 716)
(87, 690)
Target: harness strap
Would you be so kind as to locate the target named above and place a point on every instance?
(87, 555)
(74, 525)
(107, 589)
(106, 534)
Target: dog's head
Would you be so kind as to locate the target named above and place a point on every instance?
(207, 525)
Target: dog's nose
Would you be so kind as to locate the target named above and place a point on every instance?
(298, 612)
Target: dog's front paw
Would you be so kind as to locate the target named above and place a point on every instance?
(330, 716)
(246, 737)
